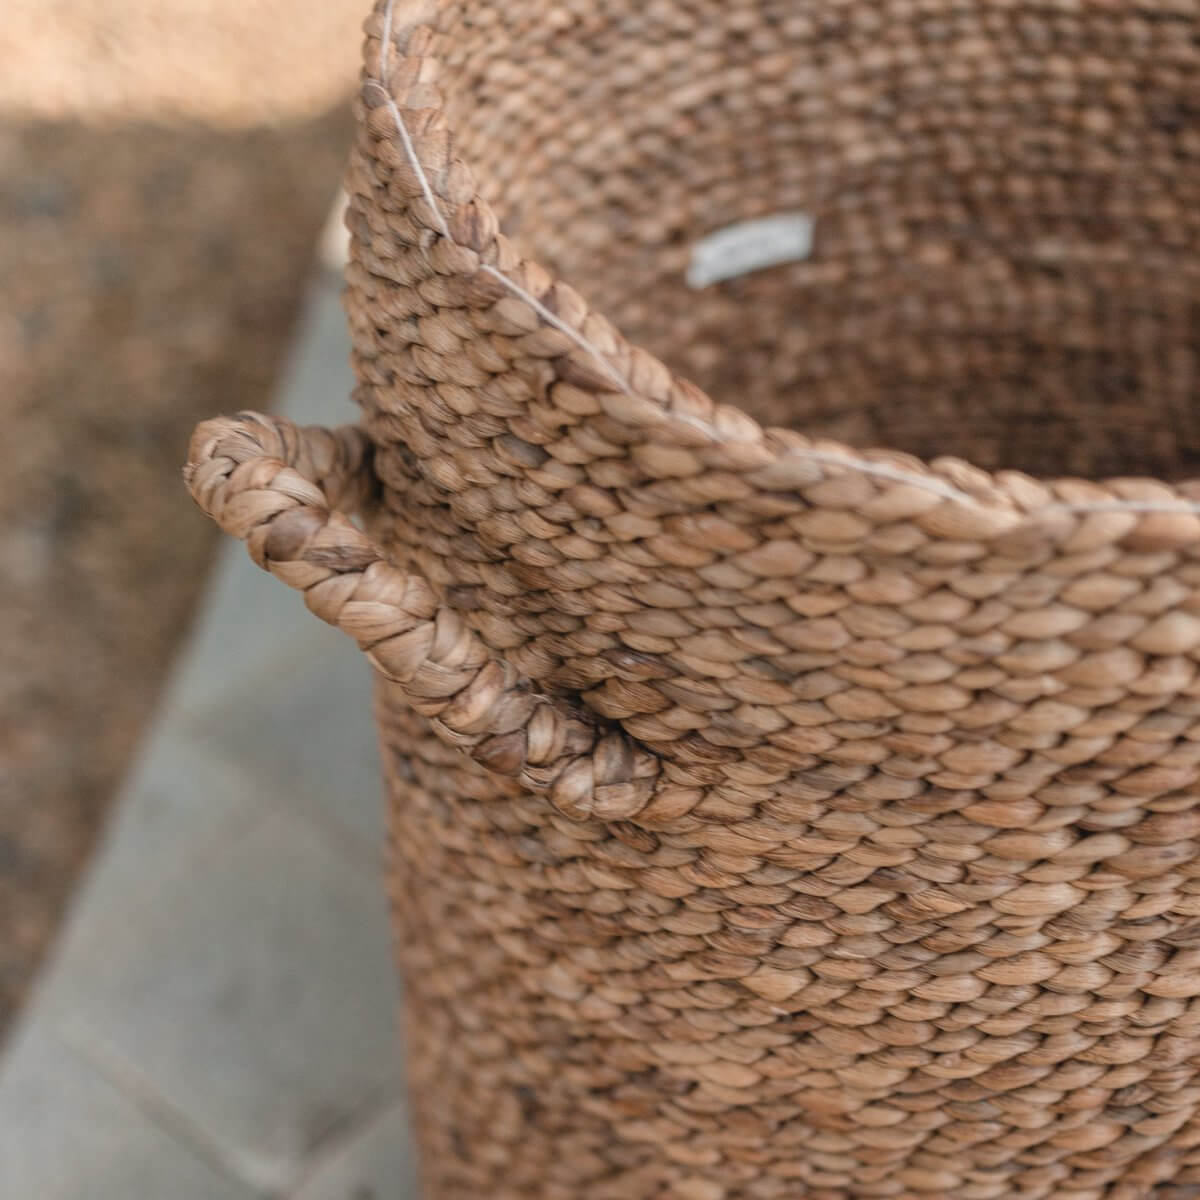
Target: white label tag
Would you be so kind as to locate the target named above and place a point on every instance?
(750, 246)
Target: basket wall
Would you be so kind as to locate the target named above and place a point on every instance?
(919, 911)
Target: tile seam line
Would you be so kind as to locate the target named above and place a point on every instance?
(376, 1106)
(157, 1109)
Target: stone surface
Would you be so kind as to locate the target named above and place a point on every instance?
(179, 801)
(377, 1164)
(68, 1133)
(258, 997)
(307, 730)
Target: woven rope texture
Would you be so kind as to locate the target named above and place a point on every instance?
(773, 816)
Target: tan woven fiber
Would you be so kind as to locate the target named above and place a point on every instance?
(773, 816)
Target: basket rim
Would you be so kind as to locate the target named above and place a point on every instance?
(974, 503)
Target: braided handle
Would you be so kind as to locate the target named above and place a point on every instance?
(279, 488)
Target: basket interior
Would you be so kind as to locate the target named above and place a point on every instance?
(1006, 200)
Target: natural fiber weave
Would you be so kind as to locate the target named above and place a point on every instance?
(771, 817)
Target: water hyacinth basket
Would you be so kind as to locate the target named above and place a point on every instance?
(774, 815)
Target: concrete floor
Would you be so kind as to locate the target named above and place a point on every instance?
(219, 1020)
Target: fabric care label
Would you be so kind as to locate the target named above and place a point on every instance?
(750, 246)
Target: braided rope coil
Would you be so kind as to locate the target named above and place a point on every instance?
(275, 486)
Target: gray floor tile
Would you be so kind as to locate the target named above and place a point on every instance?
(377, 1164)
(179, 799)
(317, 380)
(259, 999)
(307, 731)
(66, 1133)
(249, 622)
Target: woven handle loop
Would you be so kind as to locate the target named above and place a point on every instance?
(279, 488)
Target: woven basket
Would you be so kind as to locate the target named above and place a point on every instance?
(772, 816)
